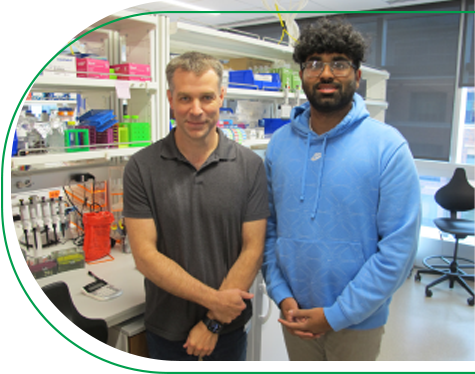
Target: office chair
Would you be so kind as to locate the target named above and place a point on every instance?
(455, 196)
(40, 342)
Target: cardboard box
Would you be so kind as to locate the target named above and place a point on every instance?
(245, 63)
(91, 68)
(61, 65)
(132, 72)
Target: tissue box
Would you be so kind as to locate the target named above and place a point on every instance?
(90, 68)
(44, 269)
(134, 72)
(61, 66)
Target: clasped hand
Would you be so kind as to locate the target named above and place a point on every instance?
(229, 304)
(304, 323)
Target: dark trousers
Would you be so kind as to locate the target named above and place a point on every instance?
(230, 347)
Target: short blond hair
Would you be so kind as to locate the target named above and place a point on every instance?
(195, 62)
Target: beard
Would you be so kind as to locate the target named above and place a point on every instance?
(328, 103)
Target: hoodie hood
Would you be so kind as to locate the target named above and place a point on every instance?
(300, 123)
(301, 114)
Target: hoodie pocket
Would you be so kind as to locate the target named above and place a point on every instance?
(318, 271)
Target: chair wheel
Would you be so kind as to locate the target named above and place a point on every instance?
(417, 277)
(470, 301)
(428, 293)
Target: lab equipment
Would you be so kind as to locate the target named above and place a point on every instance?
(100, 289)
(54, 218)
(25, 221)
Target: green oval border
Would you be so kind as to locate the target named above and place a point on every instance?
(20, 103)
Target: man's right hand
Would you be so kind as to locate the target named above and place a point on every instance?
(229, 304)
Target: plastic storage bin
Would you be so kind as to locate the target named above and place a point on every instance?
(19, 260)
(44, 269)
(248, 80)
(69, 259)
(273, 124)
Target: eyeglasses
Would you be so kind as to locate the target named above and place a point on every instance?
(339, 68)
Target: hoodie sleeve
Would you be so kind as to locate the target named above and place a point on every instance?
(277, 287)
(398, 221)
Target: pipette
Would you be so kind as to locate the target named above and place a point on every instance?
(62, 216)
(35, 224)
(25, 221)
(46, 210)
(54, 218)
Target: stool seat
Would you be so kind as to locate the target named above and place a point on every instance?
(459, 227)
(456, 196)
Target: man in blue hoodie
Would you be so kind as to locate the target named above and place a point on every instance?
(345, 207)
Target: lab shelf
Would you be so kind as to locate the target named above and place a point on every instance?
(50, 102)
(81, 84)
(223, 44)
(56, 158)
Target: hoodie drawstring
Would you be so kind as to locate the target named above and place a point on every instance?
(304, 176)
(320, 177)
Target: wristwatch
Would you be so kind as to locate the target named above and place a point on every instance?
(214, 326)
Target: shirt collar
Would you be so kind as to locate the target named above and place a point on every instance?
(226, 149)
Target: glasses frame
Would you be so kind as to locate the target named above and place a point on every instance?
(304, 66)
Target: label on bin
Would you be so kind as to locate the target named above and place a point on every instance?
(263, 77)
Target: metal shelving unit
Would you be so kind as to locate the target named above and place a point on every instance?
(225, 45)
(118, 40)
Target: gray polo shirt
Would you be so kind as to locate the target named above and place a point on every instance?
(198, 215)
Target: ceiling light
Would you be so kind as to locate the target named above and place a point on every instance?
(182, 4)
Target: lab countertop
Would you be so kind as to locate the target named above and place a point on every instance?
(122, 273)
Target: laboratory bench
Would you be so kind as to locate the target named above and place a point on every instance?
(122, 314)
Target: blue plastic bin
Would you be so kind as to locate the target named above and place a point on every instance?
(246, 79)
(273, 124)
(13, 141)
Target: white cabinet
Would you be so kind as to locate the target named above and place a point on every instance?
(120, 40)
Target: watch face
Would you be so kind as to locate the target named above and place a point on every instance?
(213, 326)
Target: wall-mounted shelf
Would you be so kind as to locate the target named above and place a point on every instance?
(80, 84)
(52, 158)
(223, 44)
(50, 102)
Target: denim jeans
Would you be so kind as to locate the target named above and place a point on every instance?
(230, 347)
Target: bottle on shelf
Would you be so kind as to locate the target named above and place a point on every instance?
(44, 116)
(55, 138)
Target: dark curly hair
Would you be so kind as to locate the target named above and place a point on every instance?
(330, 36)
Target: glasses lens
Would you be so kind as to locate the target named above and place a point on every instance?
(338, 68)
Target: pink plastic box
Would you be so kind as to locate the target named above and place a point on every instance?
(89, 68)
(134, 72)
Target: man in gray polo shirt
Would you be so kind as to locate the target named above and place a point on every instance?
(196, 205)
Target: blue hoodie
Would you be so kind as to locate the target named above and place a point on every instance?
(345, 217)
